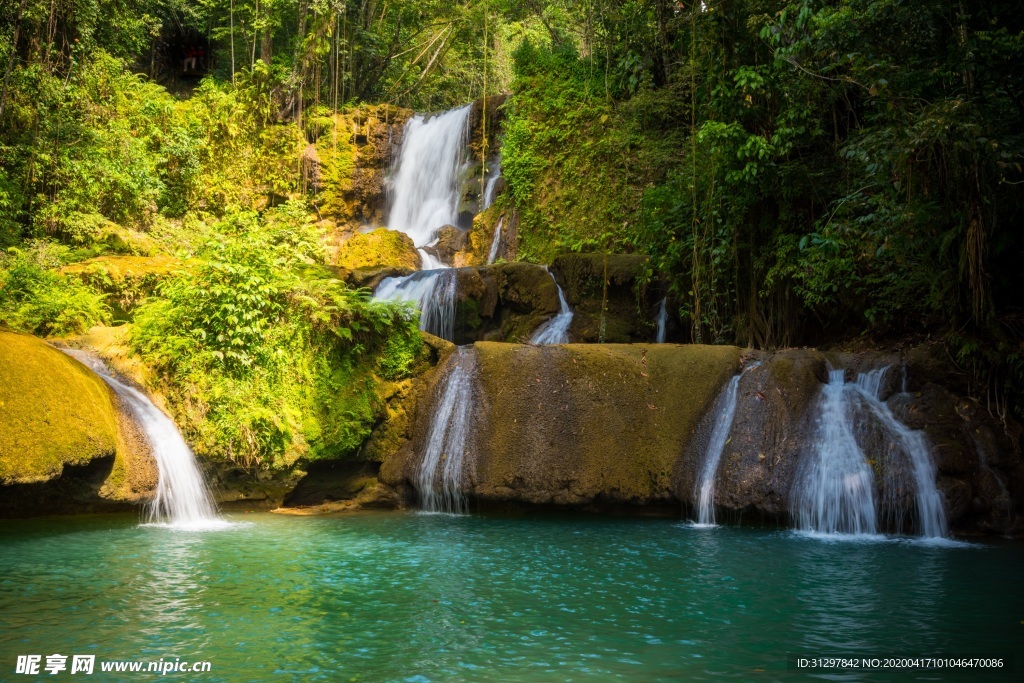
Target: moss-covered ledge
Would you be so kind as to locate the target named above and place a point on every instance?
(64, 443)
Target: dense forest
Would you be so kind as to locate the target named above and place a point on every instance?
(799, 173)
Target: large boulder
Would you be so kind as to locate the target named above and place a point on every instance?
(65, 444)
(380, 248)
(449, 240)
(580, 426)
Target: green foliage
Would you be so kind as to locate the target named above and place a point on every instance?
(271, 360)
(34, 298)
(562, 139)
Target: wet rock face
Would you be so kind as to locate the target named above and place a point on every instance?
(504, 302)
(980, 470)
(772, 429)
(581, 426)
(626, 427)
(602, 291)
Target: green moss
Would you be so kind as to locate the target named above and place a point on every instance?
(355, 154)
(381, 247)
(582, 421)
(337, 155)
(54, 412)
(126, 279)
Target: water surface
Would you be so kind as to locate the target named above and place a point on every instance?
(412, 597)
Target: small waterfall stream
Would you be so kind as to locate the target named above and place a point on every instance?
(495, 242)
(491, 184)
(931, 515)
(662, 322)
(439, 479)
(555, 330)
(725, 411)
(182, 499)
(433, 293)
(835, 491)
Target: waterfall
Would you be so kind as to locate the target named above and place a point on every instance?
(439, 480)
(492, 183)
(425, 198)
(495, 242)
(662, 320)
(835, 490)
(555, 330)
(725, 410)
(182, 499)
(931, 515)
(425, 186)
(433, 293)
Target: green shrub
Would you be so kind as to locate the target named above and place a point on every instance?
(34, 298)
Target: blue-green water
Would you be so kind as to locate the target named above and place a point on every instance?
(407, 597)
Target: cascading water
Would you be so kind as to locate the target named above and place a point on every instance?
(834, 492)
(439, 480)
(425, 198)
(555, 330)
(662, 322)
(495, 242)
(182, 499)
(425, 188)
(931, 514)
(725, 410)
(433, 293)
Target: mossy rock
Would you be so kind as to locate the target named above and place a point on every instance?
(479, 238)
(354, 156)
(127, 279)
(581, 425)
(381, 248)
(65, 444)
(54, 412)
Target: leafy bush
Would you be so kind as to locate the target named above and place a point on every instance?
(266, 358)
(34, 298)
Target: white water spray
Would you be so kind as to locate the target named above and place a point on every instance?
(555, 330)
(439, 480)
(835, 493)
(725, 410)
(182, 499)
(662, 322)
(425, 187)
